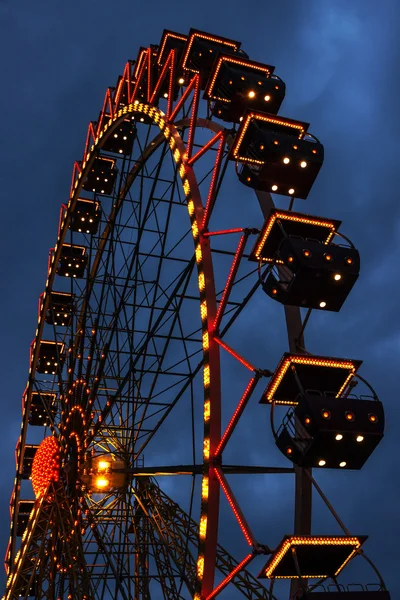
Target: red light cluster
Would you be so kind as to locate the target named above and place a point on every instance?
(46, 466)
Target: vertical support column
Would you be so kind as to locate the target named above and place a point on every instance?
(303, 483)
(141, 534)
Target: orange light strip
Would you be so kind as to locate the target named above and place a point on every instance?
(288, 217)
(234, 354)
(167, 65)
(125, 80)
(320, 362)
(139, 62)
(210, 38)
(171, 35)
(139, 78)
(235, 507)
(231, 575)
(228, 285)
(236, 416)
(107, 100)
(312, 541)
(259, 117)
(182, 99)
(204, 149)
(193, 116)
(213, 183)
(243, 63)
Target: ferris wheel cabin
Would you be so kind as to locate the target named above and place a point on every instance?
(60, 309)
(73, 261)
(86, 216)
(309, 269)
(326, 426)
(101, 177)
(278, 154)
(42, 409)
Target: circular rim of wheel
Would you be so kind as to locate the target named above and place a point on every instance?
(212, 426)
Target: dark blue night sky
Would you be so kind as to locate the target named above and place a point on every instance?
(340, 62)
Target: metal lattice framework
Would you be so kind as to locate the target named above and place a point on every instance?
(132, 389)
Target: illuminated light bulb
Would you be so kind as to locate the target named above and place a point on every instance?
(338, 437)
(90, 220)
(322, 304)
(125, 137)
(303, 164)
(372, 418)
(337, 277)
(262, 147)
(141, 119)
(120, 151)
(295, 147)
(360, 438)
(349, 416)
(290, 259)
(251, 94)
(307, 420)
(328, 257)
(101, 482)
(342, 464)
(291, 191)
(349, 260)
(276, 142)
(66, 274)
(181, 81)
(103, 464)
(314, 152)
(307, 253)
(241, 119)
(289, 451)
(248, 178)
(325, 414)
(286, 160)
(322, 463)
(274, 291)
(165, 95)
(267, 98)
(82, 218)
(115, 135)
(274, 188)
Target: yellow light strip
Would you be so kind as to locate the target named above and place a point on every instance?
(311, 541)
(295, 218)
(306, 361)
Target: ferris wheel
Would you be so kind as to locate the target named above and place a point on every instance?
(139, 379)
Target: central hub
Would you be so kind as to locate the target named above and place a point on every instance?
(104, 473)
